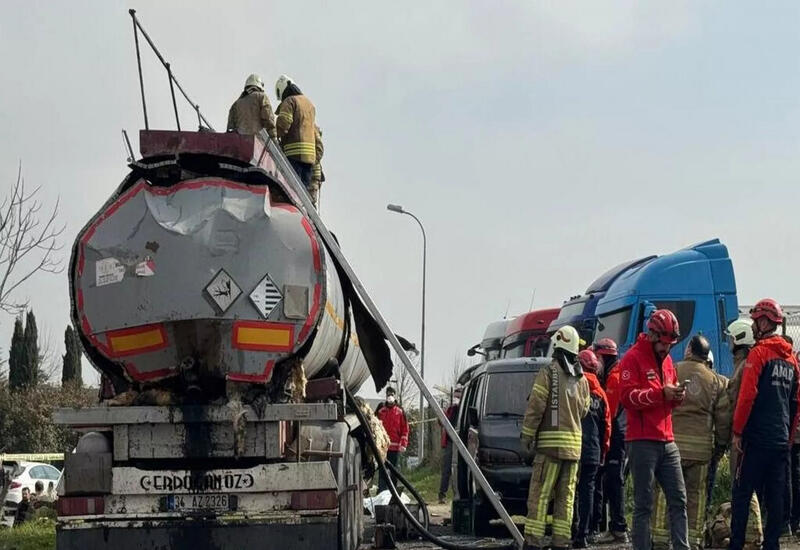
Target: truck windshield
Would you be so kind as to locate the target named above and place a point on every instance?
(569, 311)
(614, 325)
(507, 393)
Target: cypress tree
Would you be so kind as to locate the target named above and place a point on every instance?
(16, 358)
(31, 359)
(71, 371)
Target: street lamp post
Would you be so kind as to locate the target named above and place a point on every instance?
(399, 210)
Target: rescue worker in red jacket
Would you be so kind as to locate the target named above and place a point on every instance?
(740, 342)
(595, 436)
(763, 425)
(613, 471)
(649, 390)
(393, 418)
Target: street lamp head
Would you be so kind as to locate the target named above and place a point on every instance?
(395, 208)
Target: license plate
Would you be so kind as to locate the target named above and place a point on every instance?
(204, 502)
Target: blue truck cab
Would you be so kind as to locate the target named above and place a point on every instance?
(696, 283)
(579, 311)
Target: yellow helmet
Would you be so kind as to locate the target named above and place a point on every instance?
(254, 81)
(566, 338)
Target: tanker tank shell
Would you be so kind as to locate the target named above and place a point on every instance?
(208, 269)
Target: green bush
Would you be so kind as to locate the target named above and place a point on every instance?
(25, 418)
(39, 534)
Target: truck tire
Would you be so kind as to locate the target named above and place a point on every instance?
(351, 516)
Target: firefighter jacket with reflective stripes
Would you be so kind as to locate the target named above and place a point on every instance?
(641, 388)
(394, 421)
(556, 406)
(766, 412)
(296, 128)
(596, 426)
(317, 176)
(702, 422)
(250, 113)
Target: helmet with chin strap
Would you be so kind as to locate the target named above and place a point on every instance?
(664, 324)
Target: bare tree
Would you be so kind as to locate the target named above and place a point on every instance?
(49, 360)
(29, 241)
(407, 391)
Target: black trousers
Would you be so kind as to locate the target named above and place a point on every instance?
(585, 501)
(304, 171)
(447, 466)
(794, 499)
(766, 468)
(598, 521)
(393, 457)
(615, 486)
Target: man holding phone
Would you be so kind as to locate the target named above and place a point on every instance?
(649, 390)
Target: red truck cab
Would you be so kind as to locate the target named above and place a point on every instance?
(526, 335)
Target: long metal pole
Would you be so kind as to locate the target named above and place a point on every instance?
(139, 64)
(297, 187)
(422, 351)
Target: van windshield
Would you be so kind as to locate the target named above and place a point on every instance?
(507, 393)
(614, 325)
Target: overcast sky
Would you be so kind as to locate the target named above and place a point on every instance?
(539, 143)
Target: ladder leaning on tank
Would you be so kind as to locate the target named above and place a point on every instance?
(302, 196)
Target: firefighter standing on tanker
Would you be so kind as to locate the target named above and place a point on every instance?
(595, 436)
(296, 128)
(551, 436)
(614, 469)
(252, 112)
(740, 341)
(649, 390)
(763, 425)
(702, 427)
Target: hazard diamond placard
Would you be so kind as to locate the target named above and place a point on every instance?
(223, 290)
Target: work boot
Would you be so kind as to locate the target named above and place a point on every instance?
(610, 537)
(579, 543)
(442, 498)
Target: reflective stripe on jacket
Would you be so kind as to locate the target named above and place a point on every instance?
(250, 113)
(766, 411)
(556, 406)
(296, 128)
(641, 387)
(703, 420)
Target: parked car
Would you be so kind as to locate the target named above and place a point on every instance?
(489, 422)
(25, 474)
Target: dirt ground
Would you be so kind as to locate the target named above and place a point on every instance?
(440, 520)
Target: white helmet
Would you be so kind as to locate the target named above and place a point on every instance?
(566, 338)
(741, 333)
(254, 81)
(281, 84)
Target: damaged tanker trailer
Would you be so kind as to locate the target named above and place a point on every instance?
(226, 336)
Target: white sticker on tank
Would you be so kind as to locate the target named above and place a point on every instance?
(108, 271)
(265, 296)
(223, 290)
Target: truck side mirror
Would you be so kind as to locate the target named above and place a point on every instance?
(472, 416)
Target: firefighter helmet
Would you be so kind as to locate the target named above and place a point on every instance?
(740, 333)
(664, 324)
(589, 361)
(605, 346)
(768, 308)
(254, 81)
(566, 338)
(281, 85)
